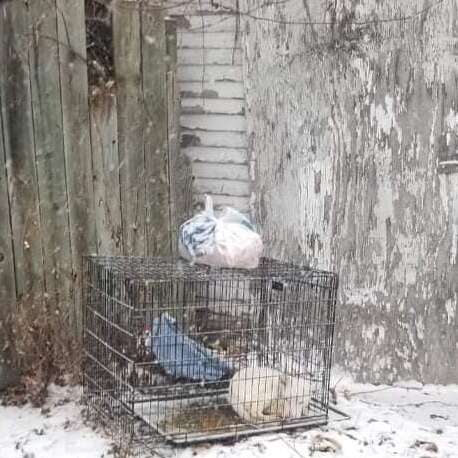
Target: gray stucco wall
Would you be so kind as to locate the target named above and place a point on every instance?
(353, 136)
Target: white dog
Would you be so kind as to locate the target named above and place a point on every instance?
(262, 394)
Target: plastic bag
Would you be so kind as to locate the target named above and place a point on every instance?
(229, 240)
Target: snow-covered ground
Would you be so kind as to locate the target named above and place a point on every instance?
(407, 420)
(55, 431)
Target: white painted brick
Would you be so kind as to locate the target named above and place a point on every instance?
(218, 40)
(226, 187)
(214, 122)
(240, 203)
(224, 89)
(209, 73)
(209, 23)
(202, 105)
(200, 7)
(217, 171)
(209, 56)
(214, 138)
(217, 155)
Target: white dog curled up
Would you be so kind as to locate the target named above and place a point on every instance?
(262, 394)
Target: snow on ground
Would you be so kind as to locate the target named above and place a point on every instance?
(406, 420)
(55, 431)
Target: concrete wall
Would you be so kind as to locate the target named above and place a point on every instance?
(353, 129)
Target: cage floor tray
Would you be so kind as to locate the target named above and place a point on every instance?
(198, 420)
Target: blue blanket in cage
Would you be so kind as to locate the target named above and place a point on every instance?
(182, 357)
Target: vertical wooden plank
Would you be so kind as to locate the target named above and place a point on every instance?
(7, 280)
(105, 162)
(7, 274)
(153, 47)
(49, 151)
(76, 128)
(126, 43)
(180, 174)
(19, 147)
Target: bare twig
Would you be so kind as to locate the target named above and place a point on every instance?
(366, 22)
(312, 27)
(55, 40)
(411, 404)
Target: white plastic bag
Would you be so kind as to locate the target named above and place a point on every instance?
(225, 241)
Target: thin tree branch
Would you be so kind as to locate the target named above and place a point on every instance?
(309, 16)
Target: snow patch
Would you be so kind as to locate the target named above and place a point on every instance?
(405, 420)
(55, 431)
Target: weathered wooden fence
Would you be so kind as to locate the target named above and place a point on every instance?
(84, 174)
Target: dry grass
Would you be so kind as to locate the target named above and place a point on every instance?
(196, 419)
(39, 341)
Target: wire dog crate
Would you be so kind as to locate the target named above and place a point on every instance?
(192, 353)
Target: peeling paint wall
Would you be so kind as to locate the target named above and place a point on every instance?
(353, 136)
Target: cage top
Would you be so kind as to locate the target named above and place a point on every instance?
(167, 269)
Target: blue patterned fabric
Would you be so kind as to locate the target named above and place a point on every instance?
(197, 234)
(182, 357)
